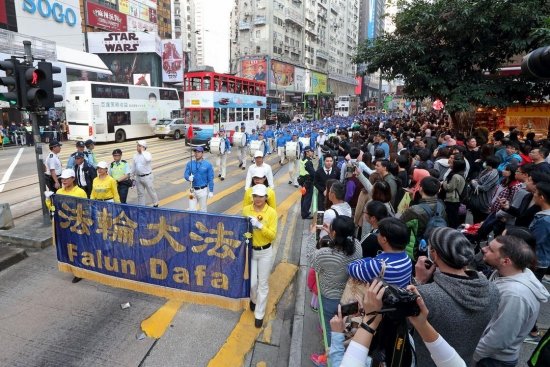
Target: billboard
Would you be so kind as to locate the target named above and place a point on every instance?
(138, 25)
(105, 18)
(123, 42)
(125, 67)
(254, 68)
(172, 61)
(316, 83)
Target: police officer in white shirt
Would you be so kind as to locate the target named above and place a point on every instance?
(53, 166)
(143, 173)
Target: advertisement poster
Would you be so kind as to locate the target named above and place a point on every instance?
(318, 82)
(123, 42)
(125, 66)
(138, 25)
(105, 18)
(142, 79)
(254, 69)
(299, 80)
(172, 61)
(283, 75)
(123, 6)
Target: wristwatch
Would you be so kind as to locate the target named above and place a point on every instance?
(367, 328)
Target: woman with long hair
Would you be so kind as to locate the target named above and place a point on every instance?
(453, 185)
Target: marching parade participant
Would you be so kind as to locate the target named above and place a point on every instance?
(221, 151)
(282, 138)
(261, 138)
(201, 175)
(321, 139)
(53, 166)
(120, 171)
(264, 222)
(259, 162)
(269, 134)
(259, 178)
(294, 162)
(104, 187)
(243, 148)
(143, 174)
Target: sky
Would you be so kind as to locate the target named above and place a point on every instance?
(216, 35)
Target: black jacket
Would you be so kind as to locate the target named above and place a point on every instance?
(89, 174)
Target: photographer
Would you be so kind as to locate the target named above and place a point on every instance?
(462, 301)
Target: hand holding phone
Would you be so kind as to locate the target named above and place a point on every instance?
(350, 309)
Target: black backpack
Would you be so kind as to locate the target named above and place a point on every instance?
(436, 217)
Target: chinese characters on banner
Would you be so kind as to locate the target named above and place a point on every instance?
(172, 61)
(198, 256)
(105, 18)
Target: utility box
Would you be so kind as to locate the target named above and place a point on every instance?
(6, 219)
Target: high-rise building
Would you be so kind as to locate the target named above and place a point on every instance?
(307, 45)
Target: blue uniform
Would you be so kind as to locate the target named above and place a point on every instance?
(203, 174)
(87, 157)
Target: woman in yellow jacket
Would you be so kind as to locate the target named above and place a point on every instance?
(104, 187)
(259, 178)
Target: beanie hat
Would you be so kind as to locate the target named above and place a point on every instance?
(452, 246)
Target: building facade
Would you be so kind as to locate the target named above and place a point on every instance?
(299, 46)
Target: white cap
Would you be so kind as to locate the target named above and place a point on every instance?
(259, 190)
(66, 173)
(102, 164)
(257, 171)
(321, 131)
(258, 153)
(143, 143)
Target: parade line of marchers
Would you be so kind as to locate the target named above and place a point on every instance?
(196, 257)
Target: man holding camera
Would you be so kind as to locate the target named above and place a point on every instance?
(461, 302)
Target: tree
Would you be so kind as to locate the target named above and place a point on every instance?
(451, 50)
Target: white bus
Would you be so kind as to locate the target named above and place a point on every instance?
(347, 106)
(107, 112)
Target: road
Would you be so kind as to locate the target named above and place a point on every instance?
(48, 321)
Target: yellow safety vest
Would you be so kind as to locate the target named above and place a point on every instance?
(118, 170)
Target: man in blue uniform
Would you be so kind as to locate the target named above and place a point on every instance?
(201, 175)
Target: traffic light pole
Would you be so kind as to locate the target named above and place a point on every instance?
(37, 117)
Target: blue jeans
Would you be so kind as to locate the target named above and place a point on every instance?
(490, 362)
(330, 308)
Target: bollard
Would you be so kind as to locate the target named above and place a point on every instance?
(6, 219)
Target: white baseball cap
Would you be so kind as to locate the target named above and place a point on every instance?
(143, 143)
(67, 173)
(259, 190)
(102, 164)
(257, 171)
(321, 131)
(258, 153)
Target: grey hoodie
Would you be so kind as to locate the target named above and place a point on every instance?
(460, 309)
(520, 298)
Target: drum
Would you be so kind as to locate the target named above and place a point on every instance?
(239, 139)
(257, 145)
(306, 142)
(217, 145)
(292, 150)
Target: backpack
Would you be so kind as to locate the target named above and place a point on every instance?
(436, 218)
(541, 355)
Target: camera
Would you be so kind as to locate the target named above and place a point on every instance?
(350, 167)
(399, 303)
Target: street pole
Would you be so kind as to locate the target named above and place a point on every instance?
(380, 91)
(37, 117)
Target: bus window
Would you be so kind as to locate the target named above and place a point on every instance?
(206, 83)
(231, 115)
(239, 86)
(206, 116)
(216, 115)
(223, 115)
(196, 116)
(250, 116)
(239, 114)
(224, 85)
(231, 86)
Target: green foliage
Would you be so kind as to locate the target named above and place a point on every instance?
(448, 49)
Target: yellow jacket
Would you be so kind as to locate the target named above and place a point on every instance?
(75, 191)
(105, 189)
(271, 200)
(268, 217)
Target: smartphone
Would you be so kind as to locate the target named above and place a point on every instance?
(319, 226)
(350, 309)
(428, 263)
(319, 218)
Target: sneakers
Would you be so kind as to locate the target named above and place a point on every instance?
(320, 360)
(532, 339)
(77, 279)
(258, 323)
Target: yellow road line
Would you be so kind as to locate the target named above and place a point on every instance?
(243, 336)
(288, 240)
(157, 323)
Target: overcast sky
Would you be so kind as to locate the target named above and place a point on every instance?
(216, 36)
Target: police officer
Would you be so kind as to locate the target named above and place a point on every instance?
(119, 170)
(84, 173)
(90, 146)
(201, 175)
(143, 173)
(53, 166)
(243, 150)
(221, 159)
(80, 147)
(307, 173)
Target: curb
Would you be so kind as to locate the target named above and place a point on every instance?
(28, 235)
(10, 256)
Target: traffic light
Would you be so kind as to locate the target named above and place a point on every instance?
(11, 81)
(537, 63)
(37, 87)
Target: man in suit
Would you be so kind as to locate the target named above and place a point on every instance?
(326, 172)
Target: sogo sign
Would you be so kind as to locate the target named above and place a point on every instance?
(54, 10)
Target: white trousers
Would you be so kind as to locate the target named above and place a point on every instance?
(293, 171)
(221, 164)
(260, 268)
(281, 153)
(243, 152)
(269, 145)
(200, 197)
(143, 184)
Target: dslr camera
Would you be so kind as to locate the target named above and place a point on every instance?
(398, 303)
(350, 167)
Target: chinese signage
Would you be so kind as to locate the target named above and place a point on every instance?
(317, 82)
(123, 42)
(254, 68)
(195, 255)
(172, 61)
(138, 25)
(105, 18)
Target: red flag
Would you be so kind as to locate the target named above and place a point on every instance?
(190, 132)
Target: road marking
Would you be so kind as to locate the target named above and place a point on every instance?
(243, 336)
(8, 173)
(156, 324)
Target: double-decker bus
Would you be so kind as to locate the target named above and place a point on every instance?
(318, 105)
(346, 106)
(213, 101)
(109, 112)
